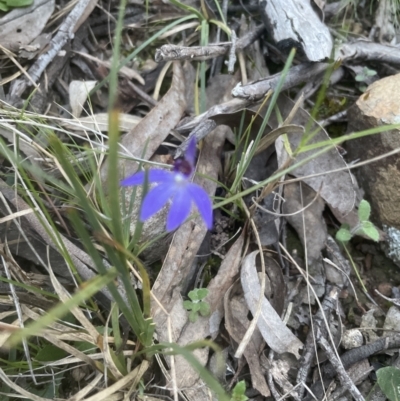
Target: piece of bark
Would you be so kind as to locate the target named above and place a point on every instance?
(386, 21)
(294, 23)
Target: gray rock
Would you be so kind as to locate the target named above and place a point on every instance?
(378, 106)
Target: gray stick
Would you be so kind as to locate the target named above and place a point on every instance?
(232, 54)
(295, 76)
(65, 33)
(201, 53)
(343, 375)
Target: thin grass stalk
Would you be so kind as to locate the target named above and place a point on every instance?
(320, 98)
(34, 201)
(128, 312)
(330, 144)
(62, 309)
(271, 106)
(115, 258)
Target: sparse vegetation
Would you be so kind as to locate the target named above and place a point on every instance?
(104, 271)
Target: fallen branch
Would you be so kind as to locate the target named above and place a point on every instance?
(296, 75)
(64, 34)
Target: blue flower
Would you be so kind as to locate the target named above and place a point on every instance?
(174, 185)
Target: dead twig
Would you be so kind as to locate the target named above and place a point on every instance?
(232, 54)
(64, 34)
(343, 375)
(295, 76)
(365, 50)
(194, 53)
(320, 324)
(201, 53)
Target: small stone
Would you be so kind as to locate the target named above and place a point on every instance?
(392, 321)
(352, 339)
(377, 107)
(393, 244)
(385, 289)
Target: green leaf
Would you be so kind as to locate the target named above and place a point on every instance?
(188, 305)
(370, 230)
(3, 7)
(221, 25)
(187, 8)
(204, 308)
(196, 307)
(238, 392)
(364, 210)
(193, 295)
(119, 361)
(368, 72)
(343, 235)
(362, 88)
(103, 330)
(389, 382)
(193, 316)
(202, 293)
(50, 353)
(19, 3)
(85, 347)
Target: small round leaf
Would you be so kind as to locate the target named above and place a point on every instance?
(364, 210)
(389, 382)
(202, 293)
(343, 235)
(204, 309)
(370, 230)
(193, 295)
(188, 305)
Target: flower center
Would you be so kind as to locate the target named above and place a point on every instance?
(183, 167)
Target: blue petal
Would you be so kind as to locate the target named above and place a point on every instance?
(190, 153)
(135, 179)
(155, 175)
(156, 199)
(180, 209)
(203, 202)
